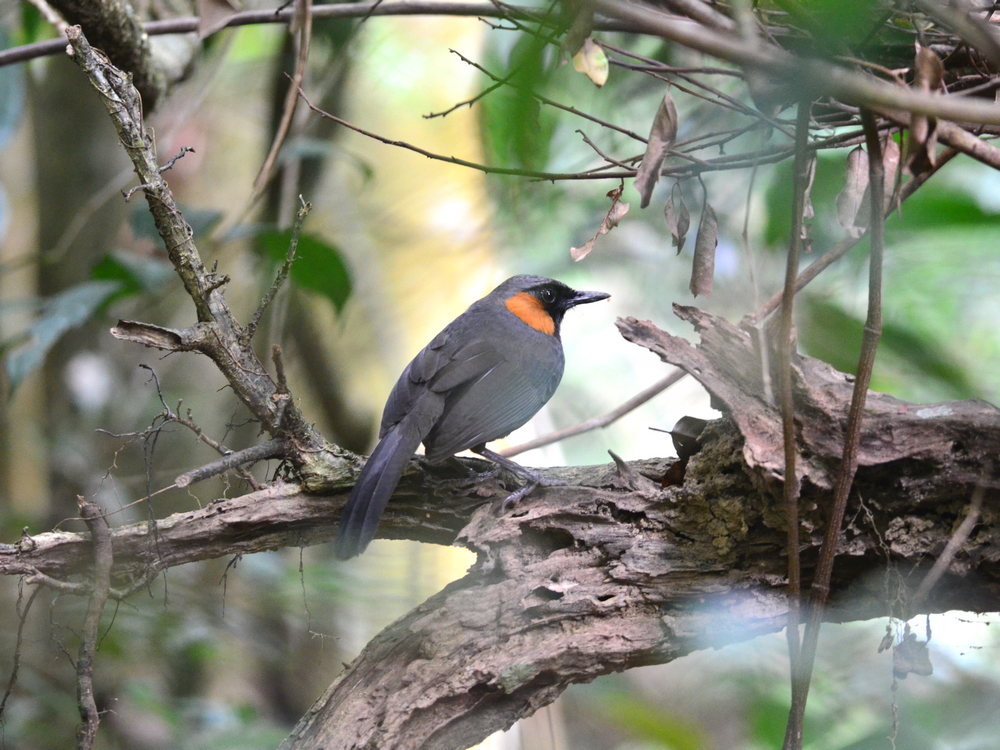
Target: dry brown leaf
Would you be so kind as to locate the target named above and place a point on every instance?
(808, 212)
(617, 212)
(890, 165)
(921, 140)
(592, 62)
(661, 139)
(851, 198)
(579, 253)
(678, 221)
(928, 70)
(703, 267)
(611, 219)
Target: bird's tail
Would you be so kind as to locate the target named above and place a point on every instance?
(375, 486)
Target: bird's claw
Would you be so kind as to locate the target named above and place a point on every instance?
(537, 481)
(516, 497)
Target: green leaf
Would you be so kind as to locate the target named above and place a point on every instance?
(831, 334)
(318, 265)
(137, 274)
(59, 314)
(517, 130)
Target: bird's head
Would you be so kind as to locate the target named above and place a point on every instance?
(542, 302)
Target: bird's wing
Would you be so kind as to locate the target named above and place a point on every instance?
(489, 407)
(440, 367)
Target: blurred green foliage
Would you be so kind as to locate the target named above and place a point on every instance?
(58, 314)
(939, 268)
(265, 628)
(318, 267)
(517, 131)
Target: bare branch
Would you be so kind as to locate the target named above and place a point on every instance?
(951, 549)
(843, 247)
(22, 618)
(115, 29)
(100, 536)
(277, 448)
(304, 13)
(802, 672)
(293, 245)
(812, 75)
(786, 347)
(217, 334)
(463, 162)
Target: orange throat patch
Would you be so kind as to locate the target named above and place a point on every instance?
(530, 309)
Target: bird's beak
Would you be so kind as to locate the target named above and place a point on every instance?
(582, 298)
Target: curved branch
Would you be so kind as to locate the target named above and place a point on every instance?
(614, 570)
(590, 580)
(218, 335)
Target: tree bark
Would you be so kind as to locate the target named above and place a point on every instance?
(615, 570)
(113, 27)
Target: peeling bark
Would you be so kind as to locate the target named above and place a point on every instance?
(614, 570)
(587, 581)
(584, 581)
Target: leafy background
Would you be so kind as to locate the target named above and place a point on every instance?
(229, 654)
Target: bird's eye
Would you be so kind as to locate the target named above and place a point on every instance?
(547, 295)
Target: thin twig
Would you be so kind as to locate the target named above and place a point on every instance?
(951, 549)
(722, 163)
(22, 618)
(293, 245)
(841, 249)
(100, 536)
(543, 99)
(38, 578)
(169, 417)
(304, 13)
(276, 448)
(786, 343)
(600, 153)
(597, 422)
(174, 158)
(497, 83)
(852, 436)
(811, 74)
(463, 162)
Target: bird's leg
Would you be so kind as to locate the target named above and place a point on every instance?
(515, 468)
(453, 465)
(516, 497)
(477, 477)
(533, 478)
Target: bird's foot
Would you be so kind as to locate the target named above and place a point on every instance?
(470, 477)
(478, 477)
(537, 481)
(516, 497)
(532, 478)
(529, 475)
